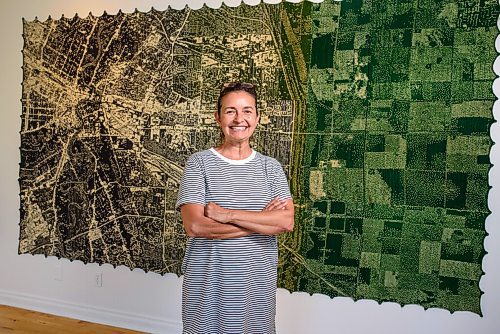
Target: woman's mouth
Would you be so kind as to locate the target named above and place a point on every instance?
(238, 128)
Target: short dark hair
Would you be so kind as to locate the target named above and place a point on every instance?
(230, 87)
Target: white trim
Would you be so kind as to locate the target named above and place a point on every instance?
(93, 314)
(232, 161)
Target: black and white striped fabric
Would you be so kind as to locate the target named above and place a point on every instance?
(229, 285)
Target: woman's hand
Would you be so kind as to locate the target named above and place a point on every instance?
(218, 213)
(275, 204)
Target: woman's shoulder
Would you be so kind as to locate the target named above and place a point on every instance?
(198, 158)
(201, 154)
(268, 160)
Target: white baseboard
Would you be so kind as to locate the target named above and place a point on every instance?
(90, 313)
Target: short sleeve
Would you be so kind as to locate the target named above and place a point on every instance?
(279, 183)
(192, 186)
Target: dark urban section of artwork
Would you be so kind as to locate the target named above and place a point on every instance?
(378, 110)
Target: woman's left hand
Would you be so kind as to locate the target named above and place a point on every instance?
(218, 213)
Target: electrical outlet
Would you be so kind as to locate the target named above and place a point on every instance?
(98, 280)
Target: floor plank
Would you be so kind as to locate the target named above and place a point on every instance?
(17, 320)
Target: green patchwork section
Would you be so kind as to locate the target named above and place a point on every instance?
(397, 133)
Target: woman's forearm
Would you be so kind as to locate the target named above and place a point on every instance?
(264, 222)
(211, 229)
(272, 220)
(198, 225)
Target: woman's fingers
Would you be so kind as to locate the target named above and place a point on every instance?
(275, 204)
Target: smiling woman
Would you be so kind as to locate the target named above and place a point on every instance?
(233, 202)
(237, 116)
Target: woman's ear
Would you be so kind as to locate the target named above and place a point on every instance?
(217, 118)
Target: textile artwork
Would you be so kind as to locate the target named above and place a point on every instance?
(379, 112)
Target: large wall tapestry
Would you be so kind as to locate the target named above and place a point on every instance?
(378, 110)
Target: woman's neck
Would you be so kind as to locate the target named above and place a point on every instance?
(234, 151)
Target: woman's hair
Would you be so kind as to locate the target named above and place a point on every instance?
(230, 87)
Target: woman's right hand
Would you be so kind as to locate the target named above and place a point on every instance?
(275, 204)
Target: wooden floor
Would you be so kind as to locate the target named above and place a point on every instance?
(17, 320)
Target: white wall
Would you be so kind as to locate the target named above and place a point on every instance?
(150, 302)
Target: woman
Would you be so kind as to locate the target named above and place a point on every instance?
(233, 202)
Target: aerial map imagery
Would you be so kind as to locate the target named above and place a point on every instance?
(379, 112)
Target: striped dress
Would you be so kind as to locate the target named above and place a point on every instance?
(229, 285)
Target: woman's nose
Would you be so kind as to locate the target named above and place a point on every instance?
(239, 117)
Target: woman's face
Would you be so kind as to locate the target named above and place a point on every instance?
(238, 116)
